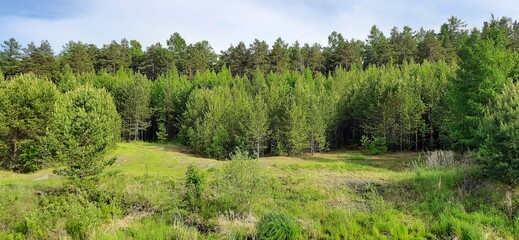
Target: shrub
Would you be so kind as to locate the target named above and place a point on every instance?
(239, 182)
(194, 188)
(278, 226)
(375, 145)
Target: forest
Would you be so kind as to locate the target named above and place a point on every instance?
(417, 92)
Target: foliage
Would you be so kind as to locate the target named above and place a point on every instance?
(278, 226)
(84, 128)
(26, 108)
(499, 153)
(194, 184)
(375, 145)
(485, 66)
(238, 185)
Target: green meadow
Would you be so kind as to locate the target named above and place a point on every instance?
(162, 191)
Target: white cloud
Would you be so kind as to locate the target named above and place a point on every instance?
(227, 22)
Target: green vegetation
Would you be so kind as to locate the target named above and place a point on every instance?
(279, 116)
(157, 191)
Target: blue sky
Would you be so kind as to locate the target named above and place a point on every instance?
(227, 22)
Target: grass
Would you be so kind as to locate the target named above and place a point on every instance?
(334, 195)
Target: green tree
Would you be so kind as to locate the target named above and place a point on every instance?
(178, 47)
(199, 57)
(27, 106)
(377, 50)
(236, 59)
(114, 56)
(136, 54)
(11, 57)
(452, 35)
(313, 57)
(168, 100)
(485, 66)
(40, 60)
(499, 129)
(341, 53)
(258, 124)
(279, 56)
(297, 137)
(429, 47)
(296, 57)
(259, 56)
(403, 45)
(76, 55)
(156, 61)
(86, 125)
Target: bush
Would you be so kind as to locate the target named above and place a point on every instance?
(375, 145)
(194, 188)
(240, 181)
(278, 226)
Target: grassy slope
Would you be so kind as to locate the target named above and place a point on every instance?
(332, 195)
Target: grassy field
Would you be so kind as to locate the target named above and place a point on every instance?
(147, 194)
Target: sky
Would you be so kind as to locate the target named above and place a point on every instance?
(223, 23)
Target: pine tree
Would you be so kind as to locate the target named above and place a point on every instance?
(10, 58)
(499, 129)
(162, 134)
(297, 137)
(27, 106)
(258, 124)
(485, 66)
(86, 125)
(77, 57)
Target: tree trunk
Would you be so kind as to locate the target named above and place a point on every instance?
(257, 149)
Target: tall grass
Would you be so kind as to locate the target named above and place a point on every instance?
(435, 160)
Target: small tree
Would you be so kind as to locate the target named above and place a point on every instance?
(499, 153)
(86, 125)
(258, 124)
(26, 106)
(162, 134)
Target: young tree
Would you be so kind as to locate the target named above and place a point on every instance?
(499, 129)
(297, 137)
(27, 106)
(86, 125)
(258, 124)
(485, 66)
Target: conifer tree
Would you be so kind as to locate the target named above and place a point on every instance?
(86, 125)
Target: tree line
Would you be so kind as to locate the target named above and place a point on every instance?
(402, 45)
(409, 91)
